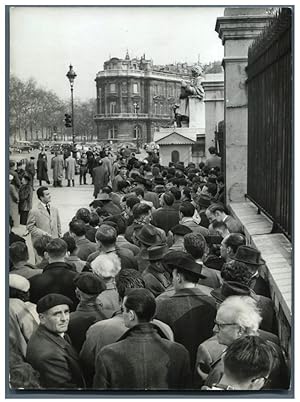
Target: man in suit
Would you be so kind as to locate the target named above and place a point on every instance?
(49, 349)
(219, 213)
(44, 219)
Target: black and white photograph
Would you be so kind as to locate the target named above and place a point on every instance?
(150, 201)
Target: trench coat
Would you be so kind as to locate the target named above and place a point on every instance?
(25, 197)
(142, 359)
(57, 164)
(13, 204)
(101, 177)
(55, 359)
(42, 169)
(23, 321)
(70, 164)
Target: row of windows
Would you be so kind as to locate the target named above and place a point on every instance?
(113, 132)
(158, 108)
(158, 89)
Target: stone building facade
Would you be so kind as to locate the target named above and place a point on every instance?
(135, 98)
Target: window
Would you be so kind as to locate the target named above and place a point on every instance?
(135, 88)
(112, 88)
(112, 107)
(112, 132)
(155, 108)
(161, 109)
(124, 87)
(137, 132)
(198, 149)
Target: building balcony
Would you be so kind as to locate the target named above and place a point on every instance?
(131, 116)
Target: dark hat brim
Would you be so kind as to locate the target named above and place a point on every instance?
(217, 295)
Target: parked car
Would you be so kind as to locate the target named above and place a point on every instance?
(36, 145)
(55, 148)
(21, 146)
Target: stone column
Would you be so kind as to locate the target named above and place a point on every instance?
(237, 30)
(196, 113)
(214, 106)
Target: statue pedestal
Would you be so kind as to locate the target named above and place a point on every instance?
(196, 113)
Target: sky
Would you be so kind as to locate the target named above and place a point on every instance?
(45, 40)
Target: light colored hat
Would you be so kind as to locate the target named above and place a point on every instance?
(19, 282)
(106, 265)
(11, 177)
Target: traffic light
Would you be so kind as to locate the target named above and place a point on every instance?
(68, 120)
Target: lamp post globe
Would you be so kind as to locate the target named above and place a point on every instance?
(71, 75)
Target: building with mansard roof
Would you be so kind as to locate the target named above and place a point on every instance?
(135, 98)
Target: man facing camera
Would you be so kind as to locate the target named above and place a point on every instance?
(49, 349)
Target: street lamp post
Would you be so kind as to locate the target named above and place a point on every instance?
(71, 76)
(136, 109)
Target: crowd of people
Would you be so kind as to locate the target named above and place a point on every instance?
(152, 287)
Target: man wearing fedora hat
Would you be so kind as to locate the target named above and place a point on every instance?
(189, 311)
(252, 258)
(49, 349)
(145, 237)
(157, 278)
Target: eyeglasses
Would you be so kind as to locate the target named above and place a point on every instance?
(222, 325)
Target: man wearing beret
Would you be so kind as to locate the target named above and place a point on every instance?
(88, 287)
(189, 311)
(49, 349)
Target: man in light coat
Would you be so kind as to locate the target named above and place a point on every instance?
(44, 219)
(70, 164)
(57, 165)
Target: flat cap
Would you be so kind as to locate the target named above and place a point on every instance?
(89, 283)
(19, 282)
(181, 230)
(52, 300)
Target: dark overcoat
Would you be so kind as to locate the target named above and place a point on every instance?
(55, 359)
(190, 314)
(142, 359)
(57, 277)
(42, 169)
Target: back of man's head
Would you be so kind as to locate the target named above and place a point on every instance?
(41, 243)
(139, 192)
(213, 208)
(140, 209)
(176, 192)
(71, 245)
(83, 214)
(142, 302)
(121, 185)
(168, 199)
(187, 209)
(18, 252)
(128, 279)
(106, 235)
(57, 248)
(195, 244)
(77, 227)
(235, 240)
(131, 201)
(248, 360)
(212, 150)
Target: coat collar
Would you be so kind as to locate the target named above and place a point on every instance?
(143, 330)
(58, 340)
(43, 209)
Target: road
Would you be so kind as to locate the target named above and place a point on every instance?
(67, 199)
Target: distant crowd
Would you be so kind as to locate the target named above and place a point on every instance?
(152, 287)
